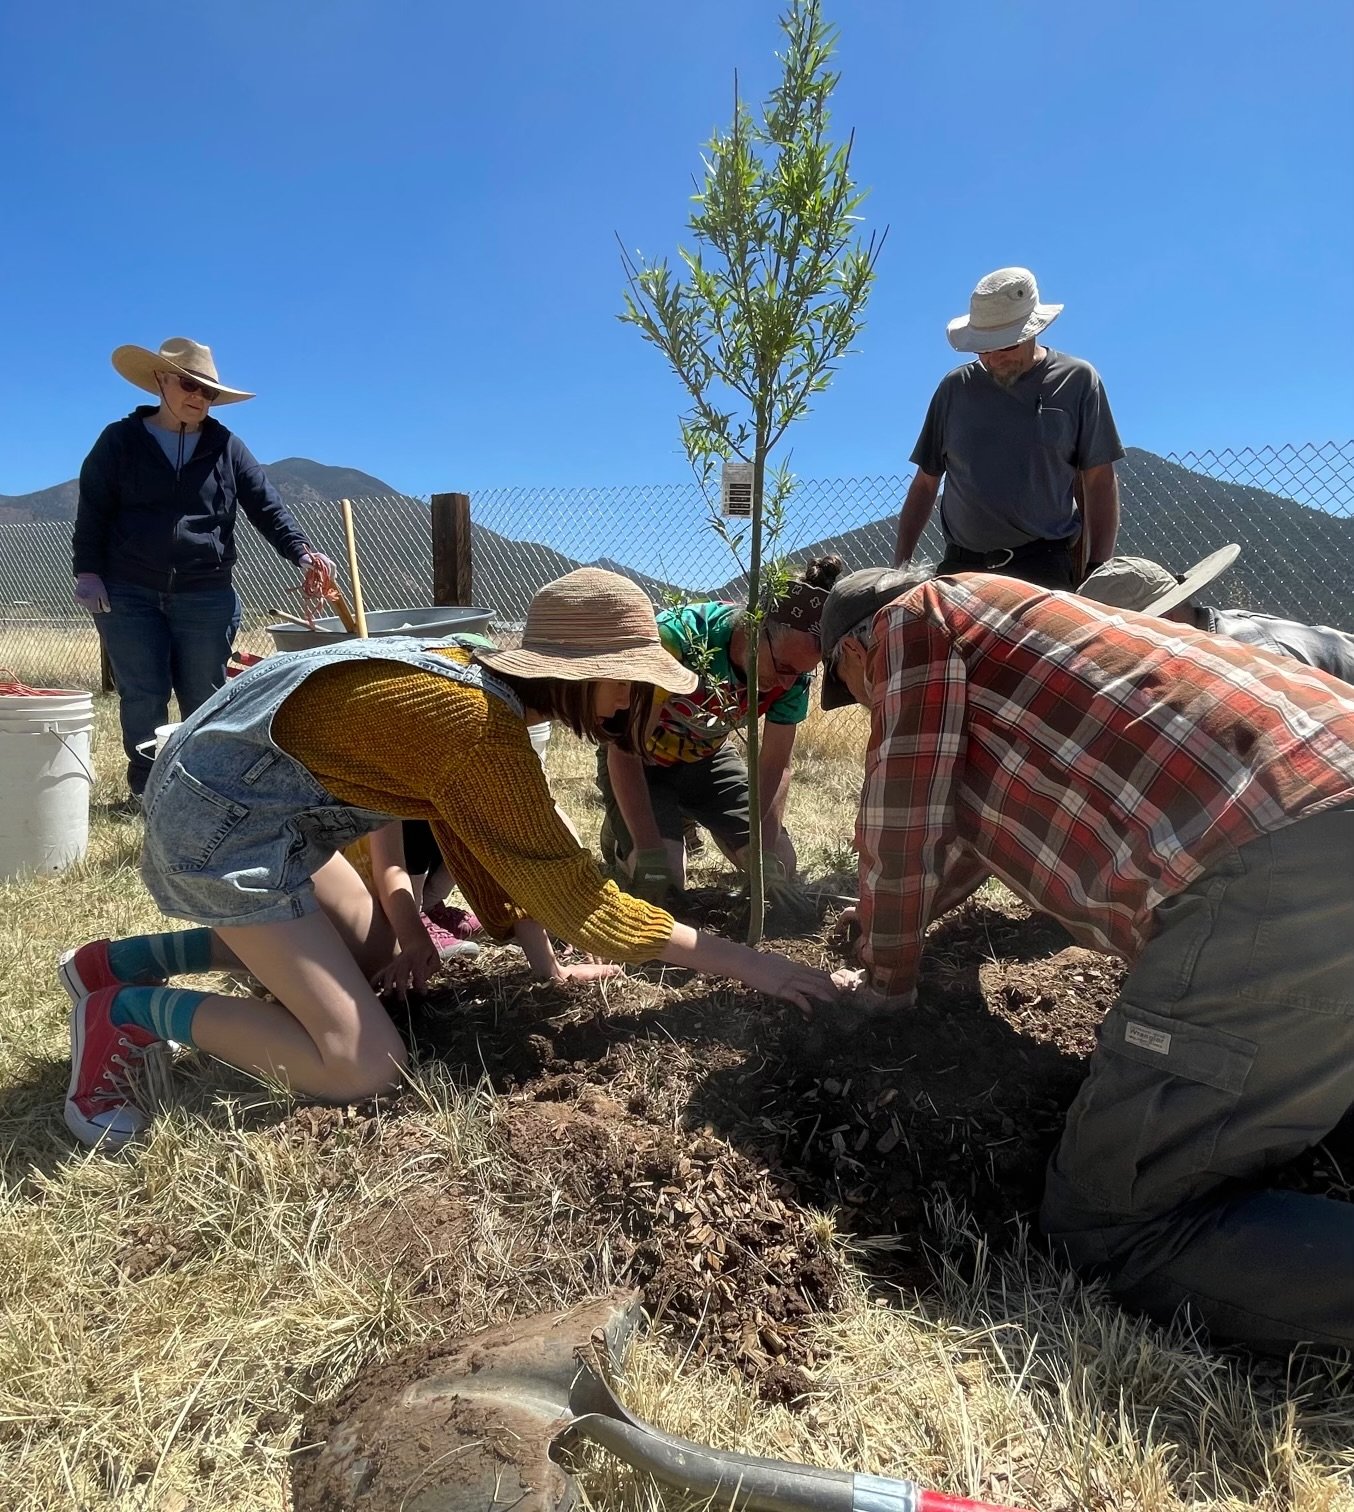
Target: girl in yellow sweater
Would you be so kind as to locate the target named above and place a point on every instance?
(254, 797)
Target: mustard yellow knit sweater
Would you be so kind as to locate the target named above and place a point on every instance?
(388, 737)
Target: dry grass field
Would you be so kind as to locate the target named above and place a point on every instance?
(174, 1319)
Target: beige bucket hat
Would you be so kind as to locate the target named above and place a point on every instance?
(178, 355)
(592, 624)
(1149, 588)
(1003, 311)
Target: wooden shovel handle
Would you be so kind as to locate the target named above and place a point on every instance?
(345, 614)
(359, 614)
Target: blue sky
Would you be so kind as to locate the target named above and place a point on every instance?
(395, 221)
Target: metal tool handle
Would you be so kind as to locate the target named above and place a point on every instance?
(744, 1482)
(881, 1493)
(740, 1481)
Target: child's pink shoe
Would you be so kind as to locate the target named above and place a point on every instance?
(446, 944)
(456, 921)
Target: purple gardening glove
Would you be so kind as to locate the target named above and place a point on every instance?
(90, 593)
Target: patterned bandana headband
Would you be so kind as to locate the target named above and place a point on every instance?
(799, 607)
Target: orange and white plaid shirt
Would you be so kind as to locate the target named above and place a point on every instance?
(1096, 761)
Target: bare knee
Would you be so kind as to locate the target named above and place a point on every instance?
(370, 1076)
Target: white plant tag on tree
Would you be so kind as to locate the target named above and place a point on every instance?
(735, 491)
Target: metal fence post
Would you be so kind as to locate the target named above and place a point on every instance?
(453, 565)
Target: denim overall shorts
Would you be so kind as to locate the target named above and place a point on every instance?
(235, 827)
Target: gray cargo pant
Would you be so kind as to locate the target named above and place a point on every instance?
(1230, 1051)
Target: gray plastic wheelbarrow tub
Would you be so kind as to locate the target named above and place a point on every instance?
(440, 620)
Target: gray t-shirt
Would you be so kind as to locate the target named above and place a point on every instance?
(1011, 456)
(1318, 646)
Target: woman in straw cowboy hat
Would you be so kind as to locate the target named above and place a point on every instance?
(155, 539)
(253, 798)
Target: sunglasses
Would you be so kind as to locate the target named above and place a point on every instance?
(788, 674)
(192, 386)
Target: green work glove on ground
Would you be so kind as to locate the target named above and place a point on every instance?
(652, 877)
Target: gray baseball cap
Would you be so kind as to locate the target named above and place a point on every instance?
(854, 597)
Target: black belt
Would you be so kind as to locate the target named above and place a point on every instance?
(994, 561)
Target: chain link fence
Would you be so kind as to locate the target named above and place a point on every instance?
(1290, 507)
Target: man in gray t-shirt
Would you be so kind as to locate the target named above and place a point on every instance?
(1026, 443)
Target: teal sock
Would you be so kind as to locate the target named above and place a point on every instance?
(152, 958)
(167, 1012)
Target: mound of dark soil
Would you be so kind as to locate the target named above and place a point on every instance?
(715, 1125)
(715, 1141)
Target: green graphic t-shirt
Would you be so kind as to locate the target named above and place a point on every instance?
(693, 726)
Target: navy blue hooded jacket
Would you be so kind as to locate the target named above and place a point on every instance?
(142, 520)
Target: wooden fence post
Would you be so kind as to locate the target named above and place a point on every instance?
(453, 567)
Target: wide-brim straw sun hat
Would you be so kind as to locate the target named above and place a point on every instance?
(189, 359)
(591, 624)
(1149, 588)
(1003, 311)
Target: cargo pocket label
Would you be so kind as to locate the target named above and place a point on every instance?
(1147, 1039)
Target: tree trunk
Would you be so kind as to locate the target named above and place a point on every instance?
(756, 889)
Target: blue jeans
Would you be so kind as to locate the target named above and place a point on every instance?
(159, 643)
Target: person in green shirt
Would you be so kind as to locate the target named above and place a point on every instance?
(689, 770)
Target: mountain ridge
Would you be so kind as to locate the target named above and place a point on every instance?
(1296, 560)
(299, 480)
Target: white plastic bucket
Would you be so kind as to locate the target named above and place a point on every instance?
(45, 780)
(152, 748)
(540, 738)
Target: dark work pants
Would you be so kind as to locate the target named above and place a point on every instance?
(1230, 1051)
(163, 643)
(713, 792)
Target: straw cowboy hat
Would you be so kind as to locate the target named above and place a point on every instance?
(1003, 311)
(177, 355)
(1148, 587)
(592, 624)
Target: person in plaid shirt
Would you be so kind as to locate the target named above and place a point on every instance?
(1180, 800)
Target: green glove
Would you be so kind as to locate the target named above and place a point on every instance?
(774, 875)
(652, 877)
(787, 897)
